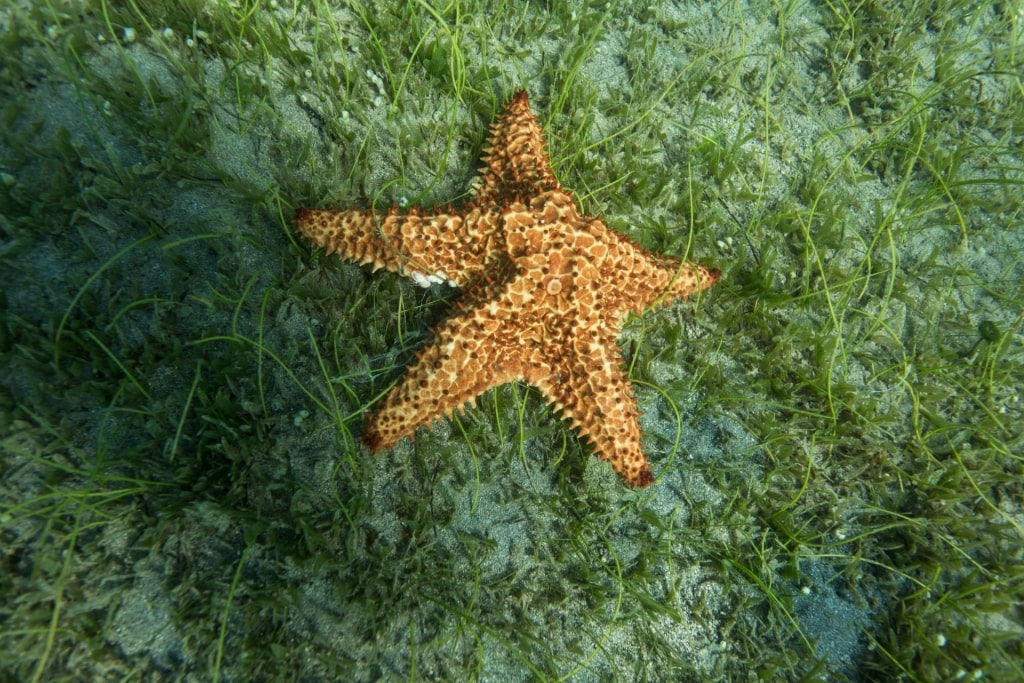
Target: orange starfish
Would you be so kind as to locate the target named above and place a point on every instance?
(546, 290)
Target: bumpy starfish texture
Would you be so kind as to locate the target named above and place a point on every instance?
(545, 291)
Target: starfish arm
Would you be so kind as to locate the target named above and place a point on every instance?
(591, 390)
(632, 280)
(428, 247)
(516, 165)
(470, 354)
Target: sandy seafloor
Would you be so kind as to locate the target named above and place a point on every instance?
(231, 489)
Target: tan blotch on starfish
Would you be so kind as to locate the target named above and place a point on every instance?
(546, 290)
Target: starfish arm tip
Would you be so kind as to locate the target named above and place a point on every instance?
(371, 439)
(644, 478)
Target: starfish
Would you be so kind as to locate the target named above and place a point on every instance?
(545, 291)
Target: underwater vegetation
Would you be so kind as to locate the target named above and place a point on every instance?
(835, 431)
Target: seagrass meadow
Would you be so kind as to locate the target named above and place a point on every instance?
(835, 429)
